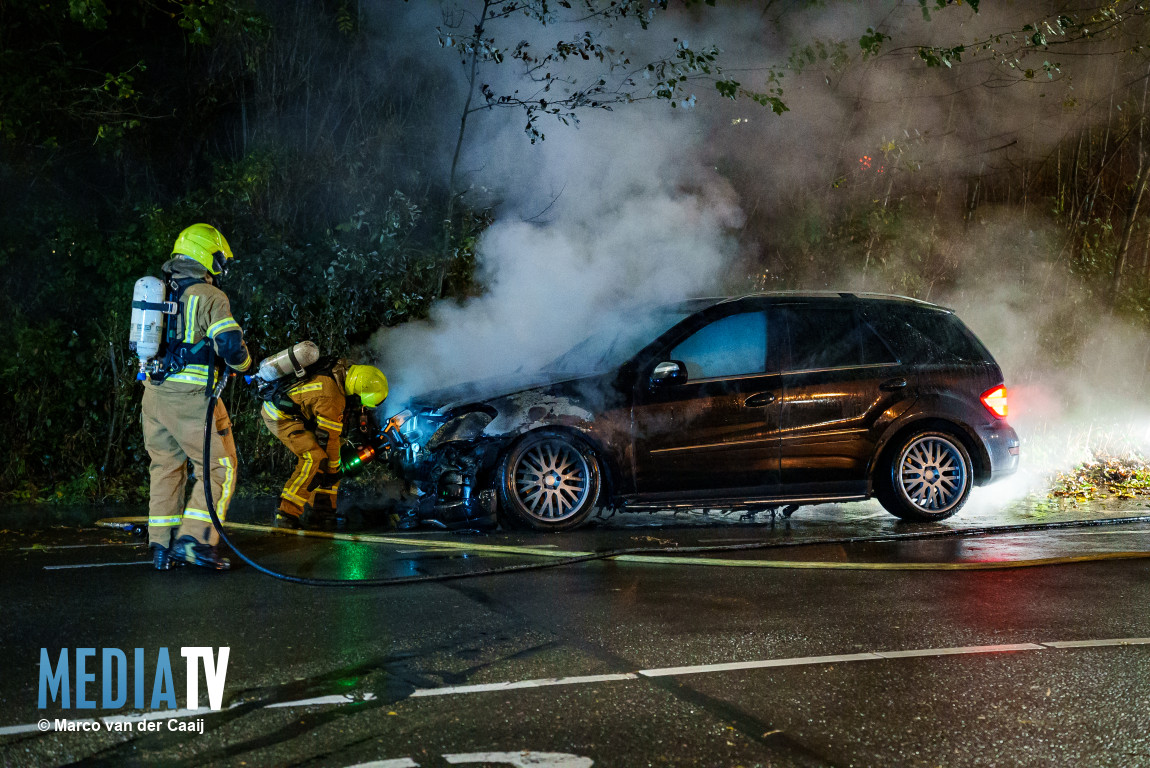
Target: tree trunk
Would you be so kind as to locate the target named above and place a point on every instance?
(1133, 202)
(1128, 226)
(452, 177)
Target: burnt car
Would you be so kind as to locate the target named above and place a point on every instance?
(764, 401)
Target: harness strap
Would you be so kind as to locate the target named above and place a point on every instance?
(299, 369)
(167, 307)
(177, 354)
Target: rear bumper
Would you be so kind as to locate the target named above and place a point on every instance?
(1002, 450)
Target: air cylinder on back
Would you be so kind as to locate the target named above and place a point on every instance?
(147, 330)
(292, 361)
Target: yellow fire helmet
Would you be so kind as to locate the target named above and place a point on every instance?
(204, 243)
(368, 382)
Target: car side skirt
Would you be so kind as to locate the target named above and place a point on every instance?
(735, 503)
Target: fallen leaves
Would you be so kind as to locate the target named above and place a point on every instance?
(1104, 477)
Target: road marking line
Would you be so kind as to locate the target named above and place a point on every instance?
(507, 686)
(94, 565)
(79, 546)
(164, 714)
(1098, 643)
(869, 656)
(1102, 533)
(399, 762)
(762, 664)
(926, 652)
(544, 550)
(524, 759)
(340, 698)
(776, 663)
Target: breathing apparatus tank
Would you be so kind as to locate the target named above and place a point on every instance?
(146, 334)
(294, 359)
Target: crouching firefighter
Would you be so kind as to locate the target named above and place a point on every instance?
(308, 400)
(182, 360)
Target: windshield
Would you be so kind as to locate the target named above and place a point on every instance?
(616, 341)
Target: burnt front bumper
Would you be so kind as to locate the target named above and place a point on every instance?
(451, 488)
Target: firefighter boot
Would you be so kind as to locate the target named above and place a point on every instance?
(189, 550)
(160, 558)
(288, 522)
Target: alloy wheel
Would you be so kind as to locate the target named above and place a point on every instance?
(551, 480)
(932, 473)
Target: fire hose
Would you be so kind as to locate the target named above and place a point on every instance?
(213, 398)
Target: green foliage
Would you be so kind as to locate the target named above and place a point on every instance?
(832, 53)
(345, 20)
(93, 14)
(202, 20)
(871, 42)
(937, 57)
(770, 98)
(556, 88)
(938, 5)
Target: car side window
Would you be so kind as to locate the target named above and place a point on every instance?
(832, 337)
(733, 346)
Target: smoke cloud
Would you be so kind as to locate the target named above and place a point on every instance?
(632, 220)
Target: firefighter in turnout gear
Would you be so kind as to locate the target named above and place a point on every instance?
(202, 338)
(309, 419)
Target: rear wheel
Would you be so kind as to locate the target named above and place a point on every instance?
(549, 481)
(928, 477)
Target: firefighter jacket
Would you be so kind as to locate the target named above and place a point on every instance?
(318, 402)
(204, 325)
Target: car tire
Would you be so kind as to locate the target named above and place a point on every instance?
(549, 481)
(926, 477)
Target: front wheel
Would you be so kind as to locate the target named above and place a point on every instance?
(549, 481)
(927, 478)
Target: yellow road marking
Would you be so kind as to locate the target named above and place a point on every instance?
(377, 539)
(510, 549)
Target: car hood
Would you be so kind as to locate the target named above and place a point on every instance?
(483, 390)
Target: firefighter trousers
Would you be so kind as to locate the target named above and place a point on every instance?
(316, 477)
(173, 433)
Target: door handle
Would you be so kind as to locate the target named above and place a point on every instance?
(892, 384)
(759, 400)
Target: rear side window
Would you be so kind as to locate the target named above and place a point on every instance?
(832, 337)
(928, 335)
(733, 346)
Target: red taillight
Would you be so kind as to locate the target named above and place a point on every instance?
(995, 401)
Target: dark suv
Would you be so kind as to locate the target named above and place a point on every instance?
(766, 401)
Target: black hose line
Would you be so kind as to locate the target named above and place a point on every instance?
(607, 554)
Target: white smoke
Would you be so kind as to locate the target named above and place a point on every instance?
(631, 218)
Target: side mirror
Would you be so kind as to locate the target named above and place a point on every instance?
(667, 373)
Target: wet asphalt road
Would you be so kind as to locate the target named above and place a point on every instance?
(606, 662)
